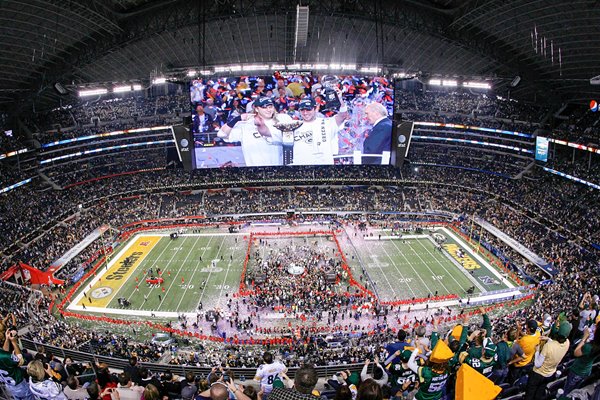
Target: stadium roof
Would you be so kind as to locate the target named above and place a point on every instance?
(553, 45)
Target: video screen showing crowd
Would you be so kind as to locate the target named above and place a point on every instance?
(291, 119)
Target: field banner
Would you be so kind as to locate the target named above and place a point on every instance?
(78, 248)
(524, 251)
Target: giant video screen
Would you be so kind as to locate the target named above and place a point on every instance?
(291, 119)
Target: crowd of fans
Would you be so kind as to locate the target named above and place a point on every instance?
(557, 219)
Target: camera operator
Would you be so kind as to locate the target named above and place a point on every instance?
(10, 367)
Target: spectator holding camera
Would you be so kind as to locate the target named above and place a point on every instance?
(379, 374)
(10, 367)
(41, 384)
(586, 353)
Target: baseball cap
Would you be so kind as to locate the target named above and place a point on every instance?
(307, 104)
(263, 102)
(564, 329)
(532, 324)
(490, 349)
(405, 355)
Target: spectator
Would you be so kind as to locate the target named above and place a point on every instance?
(379, 374)
(74, 391)
(304, 384)
(523, 350)
(127, 389)
(369, 390)
(10, 366)
(41, 384)
(548, 355)
(586, 352)
(133, 370)
(268, 372)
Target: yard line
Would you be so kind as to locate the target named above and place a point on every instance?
(194, 270)
(209, 274)
(426, 287)
(133, 292)
(444, 266)
(176, 275)
(397, 270)
(226, 274)
(427, 265)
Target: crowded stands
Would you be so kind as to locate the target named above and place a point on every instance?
(557, 218)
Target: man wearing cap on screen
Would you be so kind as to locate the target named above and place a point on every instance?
(316, 141)
(261, 141)
(380, 137)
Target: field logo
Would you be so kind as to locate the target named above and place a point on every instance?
(101, 292)
(466, 261)
(146, 243)
(439, 237)
(488, 280)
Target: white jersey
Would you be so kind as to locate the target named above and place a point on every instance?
(316, 142)
(267, 373)
(257, 149)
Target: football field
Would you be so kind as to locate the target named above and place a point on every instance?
(165, 277)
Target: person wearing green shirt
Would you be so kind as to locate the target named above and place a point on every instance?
(585, 354)
(10, 368)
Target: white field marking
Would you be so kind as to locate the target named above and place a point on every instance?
(208, 278)
(174, 278)
(426, 287)
(161, 253)
(193, 273)
(440, 263)
(482, 260)
(430, 270)
(225, 278)
(399, 272)
(460, 268)
(98, 277)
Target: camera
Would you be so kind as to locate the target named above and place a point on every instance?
(226, 378)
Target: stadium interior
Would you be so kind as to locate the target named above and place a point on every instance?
(152, 232)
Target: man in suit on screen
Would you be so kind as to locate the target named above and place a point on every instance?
(380, 137)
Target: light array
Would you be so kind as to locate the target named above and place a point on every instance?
(115, 89)
(454, 83)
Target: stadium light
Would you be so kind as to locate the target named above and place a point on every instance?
(255, 67)
(449, 83)
(122, 89)
(191, 72)
(437, 82)
(349, 66)
(235, 68)
(370, 70)
(137, 86)
(277, 66)
(477, 85)
(158, 81)
(92, 92)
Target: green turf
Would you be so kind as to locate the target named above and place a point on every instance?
(181, 257)
(398, 269)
